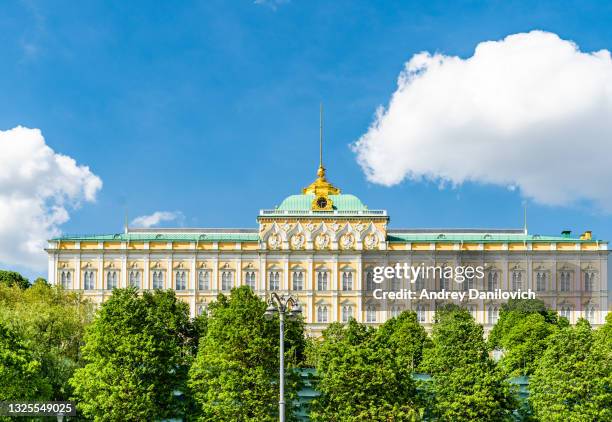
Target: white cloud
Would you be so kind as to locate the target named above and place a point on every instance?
(37, 187)
(530, 111)
(156, 218)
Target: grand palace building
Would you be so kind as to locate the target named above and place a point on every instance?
(322, 246)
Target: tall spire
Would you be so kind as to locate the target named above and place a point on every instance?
(321, 186)
(321, 135)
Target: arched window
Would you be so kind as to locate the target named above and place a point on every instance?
(492, 279)
(274, 280)
(444, 281)
(321, 280)
(322, 313)
(134, 279)
(566, 311)
(298, 280)
(589, 314)
(421, 313)
(371, 313)
(227, 280)
(249, 279)
(565, 281)
(111, 280)
(202, 308)
(347, 281)
(347, 313)
(369, 281)
(472, 310)
(181, 280)
(204, 280)
(540, 281)
(469, 281)
(492, 314)
(88, 280)
(420, 283)
(517, 280)
(66, 279)
(395, 284)
(589, 281)
(158, 280)
(395, 311)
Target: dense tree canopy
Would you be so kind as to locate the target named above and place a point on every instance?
(20, 371)
(467, 386)
(522, 334)
(137, 353)
(366, 374)
(136, 360)
(235, 374)
(51, 323)
(572, 378)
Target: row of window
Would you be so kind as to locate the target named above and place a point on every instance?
(322, 280)
(493, 283)
(203, 281)
(421, 311)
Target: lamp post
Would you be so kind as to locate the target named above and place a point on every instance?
(283, 304)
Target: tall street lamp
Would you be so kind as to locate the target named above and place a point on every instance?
(283, 304)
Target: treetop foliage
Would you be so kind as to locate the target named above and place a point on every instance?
(12, 278)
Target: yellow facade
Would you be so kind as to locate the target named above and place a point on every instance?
(322, 246)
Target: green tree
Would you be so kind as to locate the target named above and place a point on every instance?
(365, 374)
(137, 353)
(467, 386)
(51, 323)
(522, 333)
(572, 379)
(12, 278)
(20, 371)
(235, 374)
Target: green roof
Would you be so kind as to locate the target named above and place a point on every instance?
(164, 237)
(477, 237)
(304, 203)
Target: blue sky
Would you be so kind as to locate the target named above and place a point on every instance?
(211, 108)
